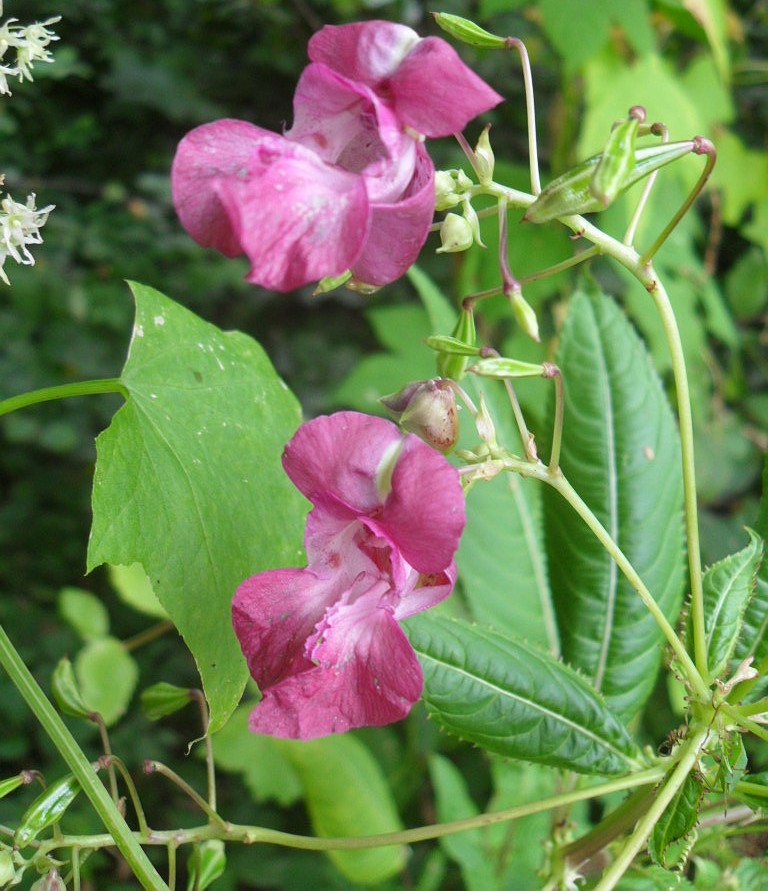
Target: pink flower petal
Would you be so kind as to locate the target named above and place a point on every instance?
(346, 124)
(366, 51)
(337, 456)
(369, 676)
(399, 229)
(424, 591)
(297, 218)
(436, 93)
(206, 154)
(273, 614)
(424, 514)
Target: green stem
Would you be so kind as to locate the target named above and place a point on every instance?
(232, 832)
(158, 767)
(72, 754)
(530, 107)
(557, 427)
(64, 391)
(561, 485)
(644, 826)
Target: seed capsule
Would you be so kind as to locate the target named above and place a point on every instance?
(46, 809)
(618, 158)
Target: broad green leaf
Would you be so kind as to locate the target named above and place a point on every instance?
(189, 482)
(442, 314)
(134, 588)
(502, 561)
(753, 640)
(669, 843)
(107, 675)
(347, 795)
(621, 454)
(512, 699)
(468, 849)
(206, 864)
(728, 585)
(265, 770)
(86, 614)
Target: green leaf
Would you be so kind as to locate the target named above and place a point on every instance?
(66, 691)
(347, 795)
(134, 588)
(266, 771)
(163, 699)
(753, 640)
(189, 482)
(728, 585)
(669, 843)
(107, 675)
(712, 15)
(86, 614)
(512, 699)
(440, 310)
(206, 864)
(621, 454)
(468, 849)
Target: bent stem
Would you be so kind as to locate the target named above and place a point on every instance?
(63, 391)
(118, 830)
(645, 825)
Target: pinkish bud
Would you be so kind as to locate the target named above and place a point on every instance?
(428, 409)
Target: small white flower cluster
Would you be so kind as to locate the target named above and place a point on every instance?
(20, 226)
(30, 43)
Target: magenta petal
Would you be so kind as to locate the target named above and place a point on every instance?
(399, 229)
(297, 218)
(436, 93)
(424, 514)
(365, 51)
(207, 153)
(273, 614)
(337, 456)
(373, 678)
(425, 591)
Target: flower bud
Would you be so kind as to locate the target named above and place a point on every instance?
(484, 158)
(526, 317)
(428, 409)
(455, 234)
(467, 31)
(7, 869)
(450, 186)
(50, 882)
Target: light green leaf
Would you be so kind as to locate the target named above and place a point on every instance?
(189, 482)
(712, 15)
(468, 849)
(753, 640)
(107, 675)
(442, 314)
(621, 454)
(669, 842)
(347, 795)
(728, 585)
(84, 612)
(134, 588)
(510, 698)
(265, 770)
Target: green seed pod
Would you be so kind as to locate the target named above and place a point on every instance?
(617, 160)
(484, 158)
(164, 699)
(451, 364)
(571, 193)
(50, 882)
(467, 31)
(443, 343)
(525, 315)
(46, 809)
(501, 368)
(13, 783)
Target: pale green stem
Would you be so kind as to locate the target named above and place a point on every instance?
(64, 391)
(561, 485)
(530, 107)
(158, 767)
(232, 832)
(133, 793)
(209, 763)
(738, 716)
(107, 749)
(72, 754)
(644, 826)
(575, 260)
(557, 426)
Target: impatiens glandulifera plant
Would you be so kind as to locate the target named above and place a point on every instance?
(572, 591)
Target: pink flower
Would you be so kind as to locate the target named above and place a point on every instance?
(324, 643)
(350, 185)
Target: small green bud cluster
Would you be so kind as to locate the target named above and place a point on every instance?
(30, 43)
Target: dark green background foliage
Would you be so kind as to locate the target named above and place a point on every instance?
(95, 135)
